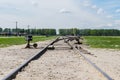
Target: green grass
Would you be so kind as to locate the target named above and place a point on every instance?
(9, 41)
(111, 42)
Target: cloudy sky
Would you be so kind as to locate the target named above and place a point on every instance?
(60, 13)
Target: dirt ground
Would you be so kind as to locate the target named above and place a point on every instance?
(107, 59)
(62, 64)
(12, 57)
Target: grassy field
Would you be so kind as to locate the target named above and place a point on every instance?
(112, 42)
(8, 41)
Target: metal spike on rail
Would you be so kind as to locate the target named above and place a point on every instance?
(51, 47)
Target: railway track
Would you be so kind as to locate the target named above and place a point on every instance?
(70, 64)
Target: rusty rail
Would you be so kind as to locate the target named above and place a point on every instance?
(95, 66)
(13, 74)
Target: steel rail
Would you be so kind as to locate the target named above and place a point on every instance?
(13, 74)
(90, 62)
(95, 66)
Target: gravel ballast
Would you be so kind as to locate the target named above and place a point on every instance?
(107, 59)
(12, 57)
(60, 64)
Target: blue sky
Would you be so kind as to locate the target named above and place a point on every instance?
(94, 14)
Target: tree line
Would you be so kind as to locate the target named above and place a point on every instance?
(22, 32)
(90, 32)
(62, 32)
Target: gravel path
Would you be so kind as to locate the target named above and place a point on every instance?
(12, 57)
(59, 64)
(107, 59)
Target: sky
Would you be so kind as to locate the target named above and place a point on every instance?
(82, 14)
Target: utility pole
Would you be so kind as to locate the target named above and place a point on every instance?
(28, 29)
(16, 28)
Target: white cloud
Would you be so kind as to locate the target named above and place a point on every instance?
(35, 3)
(86, 3)
(65, 11)
(109, 24)
(48, 14)
(117, 21)
(94, 6)
(117, 11)
(109, 16)
(100, 11)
